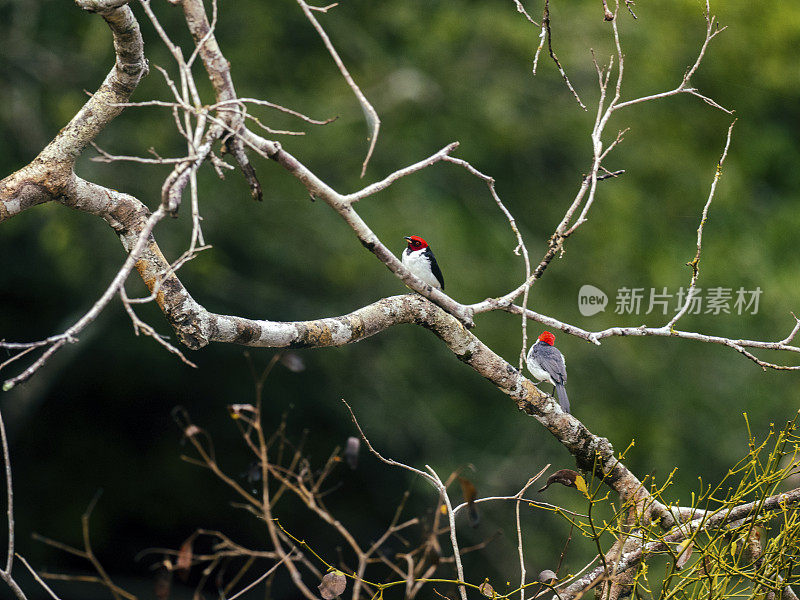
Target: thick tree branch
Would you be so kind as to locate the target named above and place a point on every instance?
(50, 173)
(117, 88)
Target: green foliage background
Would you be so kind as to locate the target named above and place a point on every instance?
(99, 415)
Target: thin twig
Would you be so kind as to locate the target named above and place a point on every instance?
(141, 326)
(433, 478)
(519, 531)
(36, 576)
(546, 25)
(695, 262)
(9, 496)
(371, 115)
(70, 334)
(523, 12)
(269, 572)
(521, 247)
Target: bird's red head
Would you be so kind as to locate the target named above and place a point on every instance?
(548, 338)
(416, 243)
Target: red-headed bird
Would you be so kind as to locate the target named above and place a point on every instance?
(546, 363)
(419, 259)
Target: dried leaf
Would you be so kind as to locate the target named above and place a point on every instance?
(486, 589)
(759, 533)
(684, 551)
(755, 543)
(351, 450)
(333, 584)
(185, 555)
(547, 576)
(568, 478)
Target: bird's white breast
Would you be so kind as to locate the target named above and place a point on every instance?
(416, 262)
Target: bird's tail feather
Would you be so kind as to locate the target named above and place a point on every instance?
(563, 400)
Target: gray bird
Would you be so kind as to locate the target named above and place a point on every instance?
(546, 363)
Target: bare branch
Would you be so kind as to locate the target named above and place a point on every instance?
(36, 576)
(278, 107)
(695, 262)
(712, 30)
(261, 578)
(433, 478)
(119, 84)
(57, 342)
(370, 114)
(443, 154)
(141, 326)
(9, 496)
(521, 247)
(107, 158)
(546, 26)
(523, 12)
(324, 9)
(520, 552)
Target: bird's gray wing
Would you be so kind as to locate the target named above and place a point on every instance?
(552, 361)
